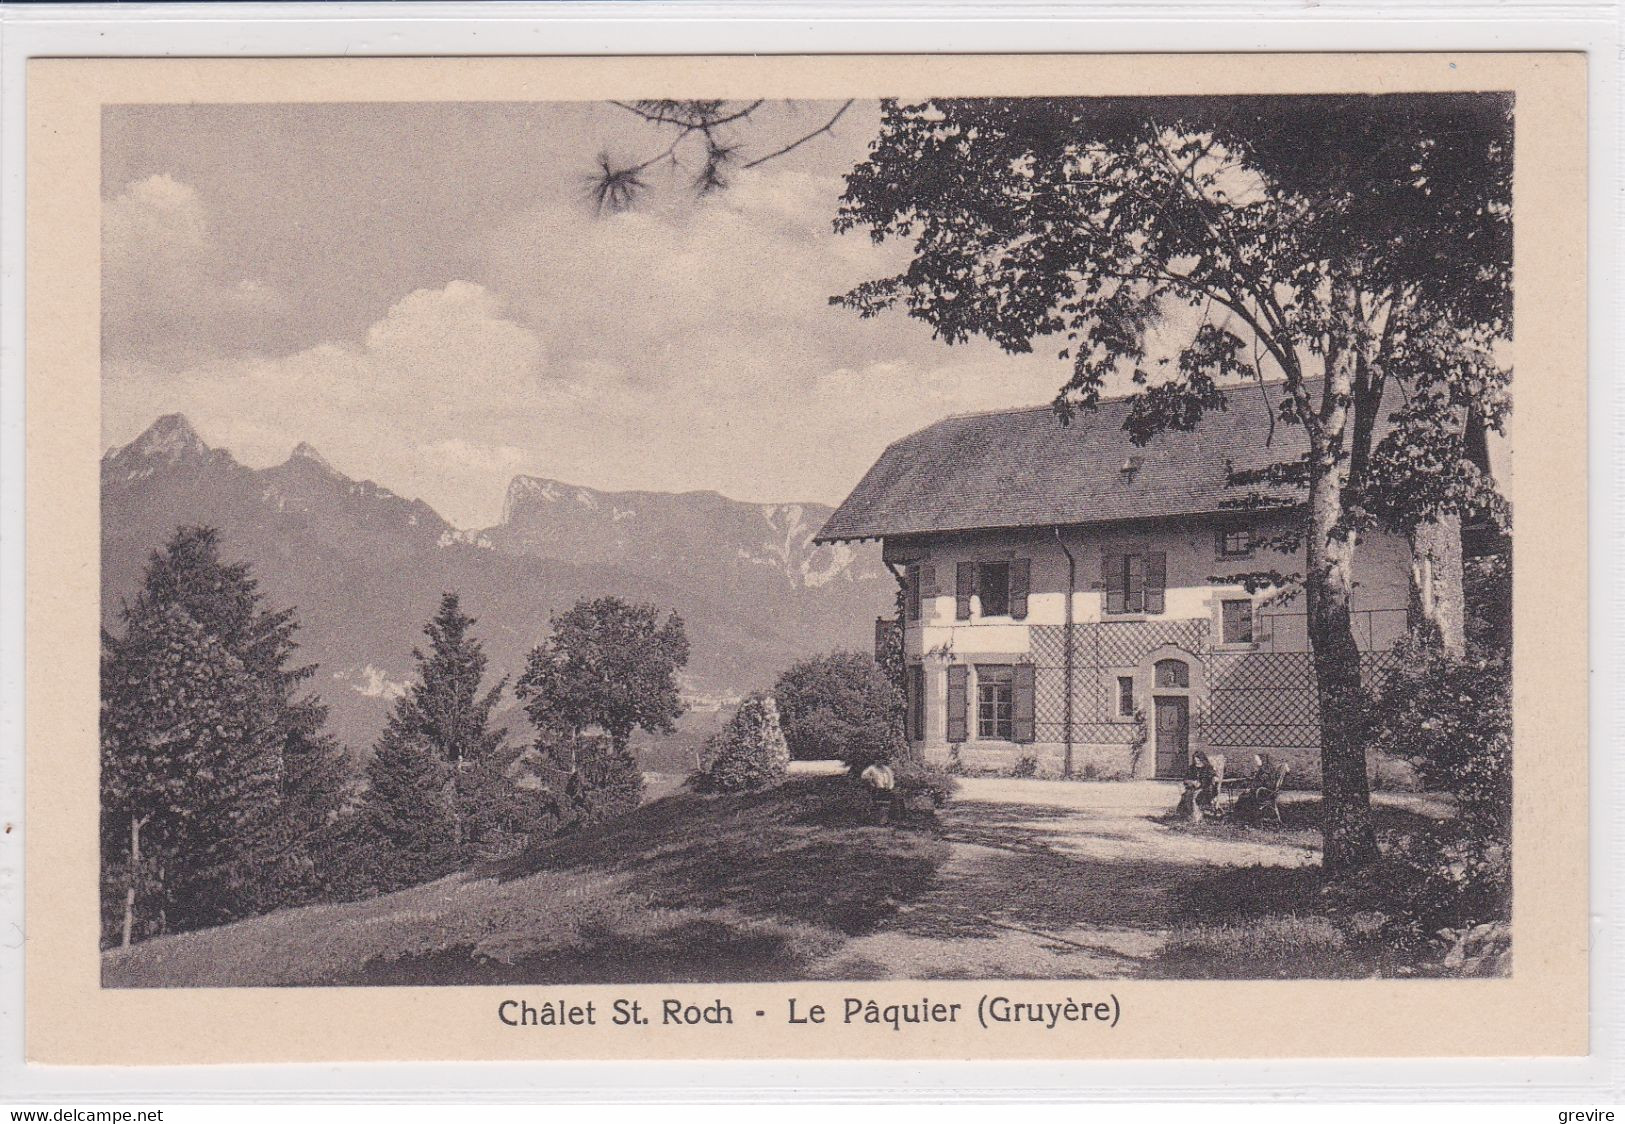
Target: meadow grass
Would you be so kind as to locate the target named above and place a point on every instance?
(687, 888)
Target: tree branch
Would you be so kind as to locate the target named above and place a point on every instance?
(795, 144)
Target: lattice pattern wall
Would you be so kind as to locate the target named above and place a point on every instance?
(1254, 699)
(1268, 699)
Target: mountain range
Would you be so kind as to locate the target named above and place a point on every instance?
(365, 567)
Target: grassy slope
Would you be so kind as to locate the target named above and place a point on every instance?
(688, 888)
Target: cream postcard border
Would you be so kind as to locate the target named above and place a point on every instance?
(1542, 1010)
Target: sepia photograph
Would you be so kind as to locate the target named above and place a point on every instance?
(903, 538)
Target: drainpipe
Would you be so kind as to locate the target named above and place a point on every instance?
(1066, 647)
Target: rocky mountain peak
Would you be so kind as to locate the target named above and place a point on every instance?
(305, 451)
(171, 438)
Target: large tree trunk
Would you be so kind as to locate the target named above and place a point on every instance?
(1349, 839)
(1437, 604)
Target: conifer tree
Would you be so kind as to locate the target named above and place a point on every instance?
(434, 783)
(209, 748)
(408, 809)
(188, 778)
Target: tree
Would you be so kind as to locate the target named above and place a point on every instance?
(749, 752)
(840, 706)
(408, 808)
(186, 779)
(610, 666)
(1351, 256)
(196, 717)
(430, 794)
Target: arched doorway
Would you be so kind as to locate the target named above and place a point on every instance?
(1171, 716)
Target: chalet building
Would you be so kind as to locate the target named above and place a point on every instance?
(1075, 598)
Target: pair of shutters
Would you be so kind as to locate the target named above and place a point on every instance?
(967, 584)
(1134, 583)
(1021, 702)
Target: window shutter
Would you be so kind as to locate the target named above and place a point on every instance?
(1021, 576)
(958, 701)
(912, 702)
(964, 587)
(927, 590)
(1156, 581)
(1111, 573)
(1136, 583)
(1021, 698)
(911, 593)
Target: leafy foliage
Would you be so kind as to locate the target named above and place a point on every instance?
(608, 666)
(841, 706)
(587, 778)
(919, 779)
(1452, 720)
(749, 752)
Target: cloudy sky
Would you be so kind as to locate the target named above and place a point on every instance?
(425, 294)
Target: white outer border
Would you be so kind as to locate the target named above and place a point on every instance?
(755, 26)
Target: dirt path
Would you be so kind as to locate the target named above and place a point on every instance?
(1050, 879)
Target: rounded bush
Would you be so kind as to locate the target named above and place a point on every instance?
(749, 752)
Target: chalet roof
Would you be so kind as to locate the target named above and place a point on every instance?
(1023, 468)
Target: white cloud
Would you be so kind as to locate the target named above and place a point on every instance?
(685, 347)
(694, 345)
(169, 292)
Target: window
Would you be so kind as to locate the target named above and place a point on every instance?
(1135, 583)
(1002, 586)
(1235, 542)
(1238, 622)
(1173, 673)
(1125, 696)
(995, 702)
(993, 587)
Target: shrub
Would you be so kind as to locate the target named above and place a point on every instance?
(1451, 720)
(750, 751)
(1026, 766)
(841, 706)
(584, 780)
(917, 779)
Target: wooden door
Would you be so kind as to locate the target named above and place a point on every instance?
(1173, 736)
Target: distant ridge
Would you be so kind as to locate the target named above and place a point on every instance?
(365, 567)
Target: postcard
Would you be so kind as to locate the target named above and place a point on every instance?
(920, 557)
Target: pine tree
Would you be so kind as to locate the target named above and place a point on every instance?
(189, 775)
(435, 783)
(408, 809)
(209, 748)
